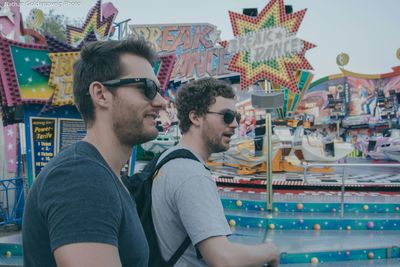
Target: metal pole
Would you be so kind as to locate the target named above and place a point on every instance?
(124, 29)
(7, 202)
(305, 174)
(342, 195)
(337, 126)
(268, 101)
(268, 134)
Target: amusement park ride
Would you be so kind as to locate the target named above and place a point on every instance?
(290, 145)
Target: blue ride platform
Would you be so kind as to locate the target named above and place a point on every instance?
(11, 251)
(310, 230)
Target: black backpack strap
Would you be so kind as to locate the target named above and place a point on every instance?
(179, 252)
(179, 153)
(186, 154)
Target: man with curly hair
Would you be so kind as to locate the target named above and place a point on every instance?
(185, 197)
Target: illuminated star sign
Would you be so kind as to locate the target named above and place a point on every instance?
(61, 77)
(94, 22)
(266, 46)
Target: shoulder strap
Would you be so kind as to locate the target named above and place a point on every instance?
(179, 153)
(179, 252)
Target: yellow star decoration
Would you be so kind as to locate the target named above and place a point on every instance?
(94, 22)
(279, 70)
(61, 77)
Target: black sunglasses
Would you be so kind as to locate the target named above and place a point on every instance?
(150, 87)
(229, 116)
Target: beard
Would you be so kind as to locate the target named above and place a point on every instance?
(129, 127)
(214, 142)
(129, 132)
(216, 147)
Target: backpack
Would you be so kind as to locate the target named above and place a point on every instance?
(139, 186)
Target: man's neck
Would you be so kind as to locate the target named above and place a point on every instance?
(195, 143)
(111, 150)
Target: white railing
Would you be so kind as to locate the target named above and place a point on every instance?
(307, 165)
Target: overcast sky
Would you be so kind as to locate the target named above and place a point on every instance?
(367, 30)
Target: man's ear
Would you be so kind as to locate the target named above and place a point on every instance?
(194, 118)
(99, 93)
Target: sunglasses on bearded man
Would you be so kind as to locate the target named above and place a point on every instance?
(229, 116)
(149, 86)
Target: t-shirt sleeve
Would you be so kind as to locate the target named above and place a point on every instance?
(200, 209)
(80, 203)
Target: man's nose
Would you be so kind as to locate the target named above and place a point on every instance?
(159, 101)
(234, 124)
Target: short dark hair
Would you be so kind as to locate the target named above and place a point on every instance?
(100, 61)
(198, 96)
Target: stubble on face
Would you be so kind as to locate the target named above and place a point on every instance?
(213, 139)
(128, 123)
(216, 134)
(132, 112)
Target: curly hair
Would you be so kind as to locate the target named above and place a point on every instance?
(198, 96)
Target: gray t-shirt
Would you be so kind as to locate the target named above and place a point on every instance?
(186, 202)
(77, 198)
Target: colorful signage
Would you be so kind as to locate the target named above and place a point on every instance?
(266, 46)
(43, 142)
(20, 82)
(95, 22)
(195, 46)
(61, 77)
(47, 133)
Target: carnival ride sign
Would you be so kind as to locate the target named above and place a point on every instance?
(95, 22)
(24, 77)
(97, 26)
(266, 46)
(20, 82)
(42, 142)
(32, 85)
(51, 135)
(195, 46)
(48, 132)
(61, 77)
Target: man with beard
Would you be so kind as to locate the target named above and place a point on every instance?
(78, 212)
(185, 198)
